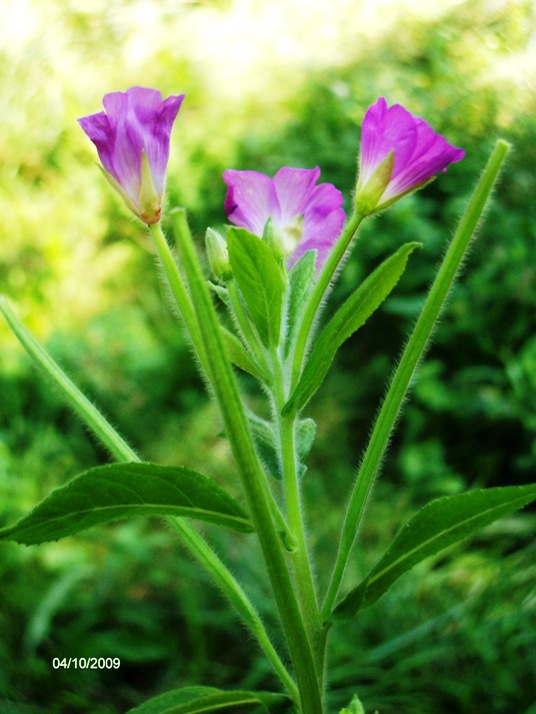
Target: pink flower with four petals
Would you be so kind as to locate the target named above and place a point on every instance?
(307, 216)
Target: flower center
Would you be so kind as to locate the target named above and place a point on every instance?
(292, 234)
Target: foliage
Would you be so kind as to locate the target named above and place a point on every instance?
(69, 259)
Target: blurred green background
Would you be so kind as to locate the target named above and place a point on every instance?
(267, 84)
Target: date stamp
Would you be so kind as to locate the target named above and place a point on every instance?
(86, 663)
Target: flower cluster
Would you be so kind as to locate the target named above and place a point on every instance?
(399, 153)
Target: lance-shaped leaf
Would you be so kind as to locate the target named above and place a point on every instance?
(115, 491)
(301, 281)
(240, 357)
(438, 525)
(191, 700)
(260, 281)
(352, 314)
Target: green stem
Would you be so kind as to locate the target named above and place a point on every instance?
(210, 561)
(299, 557)
(319, 291)
(250, 470)
(402, 378)
(176, 283)
(81, 404)
(98, 424)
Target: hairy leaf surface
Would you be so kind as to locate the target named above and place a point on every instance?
(349, 317)
(115, 491)
(439, 524)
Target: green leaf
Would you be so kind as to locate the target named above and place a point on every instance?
(265, 440)
(349, 317)
(355, 707)
(438, 525)
(305, 436)
(301, 281)
(220, 291)
(107, 493)
(190, 700)
(239, 356)
(260, 281)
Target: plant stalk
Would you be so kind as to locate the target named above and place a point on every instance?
(319, 291)
(250, 470)
(408, 364)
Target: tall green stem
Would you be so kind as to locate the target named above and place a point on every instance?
(178, 289)
(210, 561)
(250, 470)
(299, 557)
(81, 404)
(100, 426)
(402, 378)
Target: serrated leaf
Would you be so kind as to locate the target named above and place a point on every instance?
(260, 281)
(191, 700)
(438, 525)
(352, 314)
(301, 281)
(115, 491)
(239, 355)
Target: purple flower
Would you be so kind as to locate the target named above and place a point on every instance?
(132, 140)
(399, 153)
(304, 215)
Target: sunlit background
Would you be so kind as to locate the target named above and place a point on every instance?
(267, 84)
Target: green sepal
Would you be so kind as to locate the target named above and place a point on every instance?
(439, 524)
(260, 281)
(348, 318)
(116, 491)
(368, 195)
(191, 700)
(150, 201)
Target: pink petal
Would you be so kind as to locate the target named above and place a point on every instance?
(419, 153)
(294, 188)
(133, 122)
(251, 200)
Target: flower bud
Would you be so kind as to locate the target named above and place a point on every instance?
(218, 256)
(273, 238)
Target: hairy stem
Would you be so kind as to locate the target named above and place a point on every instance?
(319, 291)
(250, 471)
(299, 557)
(122, 452)
(402, 378)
